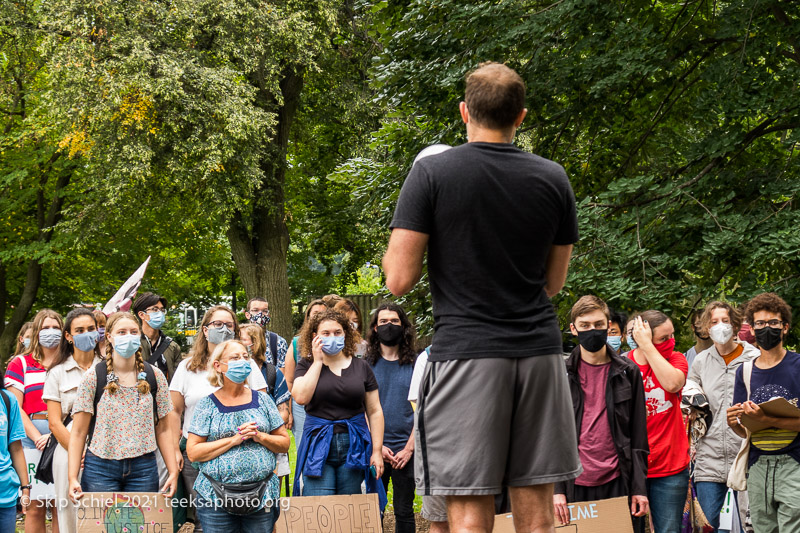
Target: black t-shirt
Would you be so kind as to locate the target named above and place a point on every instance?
(492, 213)
(338, 398)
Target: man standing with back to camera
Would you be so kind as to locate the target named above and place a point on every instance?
(499, 224)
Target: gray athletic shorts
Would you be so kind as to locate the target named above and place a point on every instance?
(482, 424)
(434, 508)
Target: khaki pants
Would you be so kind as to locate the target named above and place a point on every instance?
(773, 485)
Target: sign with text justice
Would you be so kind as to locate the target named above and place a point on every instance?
(119, 512)
(355, 513)
(601, 516)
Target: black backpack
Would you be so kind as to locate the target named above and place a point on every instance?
(101, 370)
(270, 373)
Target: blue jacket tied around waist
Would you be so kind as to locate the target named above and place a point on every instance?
(314, 451)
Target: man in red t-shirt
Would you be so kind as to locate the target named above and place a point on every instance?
(609, 405)
(664, 372)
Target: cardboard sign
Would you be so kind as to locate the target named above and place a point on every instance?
(355, 513)
(39, 490)
(122, 512)
(601, 516)
(777, 407)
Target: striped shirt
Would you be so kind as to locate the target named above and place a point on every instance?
(27, 376)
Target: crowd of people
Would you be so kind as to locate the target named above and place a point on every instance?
(492, 415)
(217, 418)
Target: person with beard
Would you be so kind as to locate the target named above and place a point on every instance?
(391, 352)
(773, 478)
(610, 417)
(702, 340)
(664, 373)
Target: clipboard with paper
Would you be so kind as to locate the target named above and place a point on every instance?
(777, 407)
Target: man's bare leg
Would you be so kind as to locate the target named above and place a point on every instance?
(439, 527)
(472, 514)
(532, 508)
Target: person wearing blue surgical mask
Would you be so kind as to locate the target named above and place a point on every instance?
(337, 390)
(616, 336)
(24, 339)
(190, 385)
(251, 431)
(130, 420)
(158, 349)
(76, 355)
(24, 379)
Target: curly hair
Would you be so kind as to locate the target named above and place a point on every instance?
(199, 355)
(770, 302)
(112, 387)
(38, 320)
(259, 349)
(311, 326)
(733, 314)
(407, 352)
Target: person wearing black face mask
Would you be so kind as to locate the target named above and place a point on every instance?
(612, 445)
(773, 475)
(391, 352)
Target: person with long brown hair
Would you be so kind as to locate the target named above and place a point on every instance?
(391, 353)
(24, 339)
(24, 378)
(190, 382)
(338, 390)
(352, 311)
(128, 422)
(77, 353)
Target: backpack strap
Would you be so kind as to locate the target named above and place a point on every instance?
(101, 370)
(7, 403)
(157, 356)
(273, 345)
(294, 349)
(747, 372)
(270, 373)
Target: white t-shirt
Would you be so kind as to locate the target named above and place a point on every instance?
(416, 377)
(194, 386)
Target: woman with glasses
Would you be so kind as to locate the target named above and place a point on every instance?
(714, 370)
(190, 383)
(773, 476)
(24, 378)
(234, 434)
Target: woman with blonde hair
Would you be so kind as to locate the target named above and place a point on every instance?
(125, 424)
(190, 382)
(24, 378)
(235, 433)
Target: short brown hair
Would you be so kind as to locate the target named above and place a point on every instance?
(771, 302)
(733, 314)
(587, 304)
(654, 318)
(495, 95)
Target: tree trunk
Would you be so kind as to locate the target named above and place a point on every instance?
(259, 238)
(8, 338)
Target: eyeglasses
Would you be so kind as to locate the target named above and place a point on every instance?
(774, 323)
(154, 310)
(220, 323)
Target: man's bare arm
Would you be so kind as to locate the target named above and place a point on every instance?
(557, 267)
(402, 262)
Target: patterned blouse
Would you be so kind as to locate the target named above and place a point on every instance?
(246, 462)
(124, 426)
